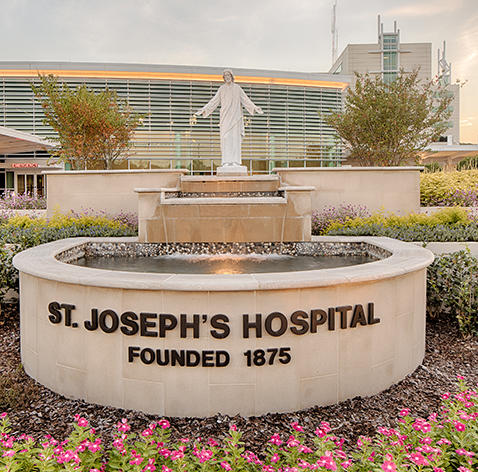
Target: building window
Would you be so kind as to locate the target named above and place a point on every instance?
(10, 180)
(390, 41)
(20, 183)
(390, 60)
(389, 77)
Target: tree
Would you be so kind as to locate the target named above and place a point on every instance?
(94, 128)
(388, 124)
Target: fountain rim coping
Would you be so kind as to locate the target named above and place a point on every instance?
(40, 262)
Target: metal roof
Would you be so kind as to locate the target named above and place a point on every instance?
(13, 141)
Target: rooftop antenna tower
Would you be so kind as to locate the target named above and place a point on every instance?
(335, 33)
(444, 67)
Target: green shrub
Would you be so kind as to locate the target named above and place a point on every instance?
(468, 163)
(447, 216)
(452, 289)
(8, 273)
(426, 233)
(22, 232)
(449, 224)
(449, 188)
(322, 219)
(433, 167)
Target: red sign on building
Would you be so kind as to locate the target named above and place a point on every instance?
(24, 165)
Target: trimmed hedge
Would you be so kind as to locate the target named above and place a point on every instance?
(452, 290)
(18, 233)
(449, 188)
(449, 224)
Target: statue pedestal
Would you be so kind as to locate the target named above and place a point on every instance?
(231, 170)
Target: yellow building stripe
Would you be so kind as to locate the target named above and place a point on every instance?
(95, 74)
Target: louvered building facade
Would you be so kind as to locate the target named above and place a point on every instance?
(292, 132)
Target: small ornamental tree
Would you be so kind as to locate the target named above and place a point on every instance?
(94, 128)
(388, 124)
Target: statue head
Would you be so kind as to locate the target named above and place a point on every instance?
(228, 76)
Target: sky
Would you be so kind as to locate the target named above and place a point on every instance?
(259, 34)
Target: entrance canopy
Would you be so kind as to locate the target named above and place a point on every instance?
(13, 141)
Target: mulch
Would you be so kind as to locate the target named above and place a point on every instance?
(37, 410)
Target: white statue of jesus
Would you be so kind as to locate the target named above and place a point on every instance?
(232, 98)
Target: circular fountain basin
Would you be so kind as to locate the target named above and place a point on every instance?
(198, 344)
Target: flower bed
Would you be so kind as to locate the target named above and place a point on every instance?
(448, 224)
(449, 188)
(444, 441)
(20, 232)
(323, 219)
(23, 201)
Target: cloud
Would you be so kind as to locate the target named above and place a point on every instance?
(426, 8)
(467, 63)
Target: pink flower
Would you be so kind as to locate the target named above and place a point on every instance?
(426, 440)
(165, 469)
(305, 449)
(3, 415)
(164, 424)
(327, 461)
(175, 455)
(275, 439)
(459, 426)
(9, 453)
(404, 412)
(292, 442)
(324, 426)
(82, 422)
(204, 455)
(123, 426)
(346, 464)
(226, 466)
(295, 425)
(418, 458)
(233, 427)
(389, 466)
(150, 467)
(463, 469)
(443, 441)
(275, 458)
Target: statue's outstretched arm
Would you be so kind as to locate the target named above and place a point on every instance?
(210, 106)
(249, 105)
